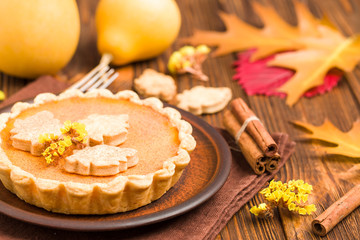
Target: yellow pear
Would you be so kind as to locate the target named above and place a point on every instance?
(38, 36)
(132, 30)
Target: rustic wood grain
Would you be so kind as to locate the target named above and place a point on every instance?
(341, 106)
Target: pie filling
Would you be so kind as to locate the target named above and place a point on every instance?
(150, 133)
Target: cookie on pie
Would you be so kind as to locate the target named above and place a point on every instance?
(106, 129)
(101, 160)
(25, 134)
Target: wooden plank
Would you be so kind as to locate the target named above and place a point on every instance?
(313, 110)
(341, 106)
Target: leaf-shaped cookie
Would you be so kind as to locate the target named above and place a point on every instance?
(200, 99)
(101, 160)
(26, 132)
(348, 143)
(154, 84)
(106, 129)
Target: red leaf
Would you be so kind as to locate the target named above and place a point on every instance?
(258, 78)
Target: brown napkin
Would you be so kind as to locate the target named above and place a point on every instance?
(40, 85)
(203, 222)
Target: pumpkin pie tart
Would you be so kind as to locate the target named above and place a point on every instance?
(116, 171)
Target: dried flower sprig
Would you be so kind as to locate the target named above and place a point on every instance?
(2, 95)
(188, 59)
(76, 131)
(56, 148)
(292, 195)
(74, 136)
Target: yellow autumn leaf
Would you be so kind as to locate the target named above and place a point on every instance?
(312, 65)
(347, 143)
(276, 35)
(327, 38)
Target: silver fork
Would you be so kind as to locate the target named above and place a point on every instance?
(99, 77)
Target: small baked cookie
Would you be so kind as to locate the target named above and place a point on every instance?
(101, 160)
(200, 99)
(26, 132)
(154, 84)
(106, 129)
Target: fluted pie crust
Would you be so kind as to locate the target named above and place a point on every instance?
(121, 193)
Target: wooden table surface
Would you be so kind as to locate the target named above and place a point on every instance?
(341, 106)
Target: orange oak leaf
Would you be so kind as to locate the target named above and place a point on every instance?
(311, 65)
(330, 50)
(276, 35)
(317, 46)
(347, 143)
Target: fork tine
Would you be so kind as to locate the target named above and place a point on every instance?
(105, 60)
(102, 79)
(109, 81)
(94, 78)
(87, 77)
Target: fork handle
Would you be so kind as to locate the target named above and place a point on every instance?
(106, 59)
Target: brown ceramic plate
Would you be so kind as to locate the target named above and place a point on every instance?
(207, 172)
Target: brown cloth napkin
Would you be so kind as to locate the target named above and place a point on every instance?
(203, 222)
(40, 85)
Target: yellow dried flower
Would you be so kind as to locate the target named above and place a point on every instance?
(61, 150)
(265, 191)
(174, 61)
(67, 141)
(292, 206)
(292, 195)
(53, 146)
(310, 209)
(301, 211)
(72, 132)
(46, 137)
(66, 128)
(43, 138)
(49, 159)
(186, 64)
(188, 59)
(75, 130)
(2, 95)
(259, 210)
(187, 50)
(202, 49)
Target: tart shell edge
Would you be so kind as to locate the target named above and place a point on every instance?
(123, 193)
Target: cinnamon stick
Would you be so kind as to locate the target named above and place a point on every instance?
(252, 153)
(272, 163)
(336, 212)
(255, 128)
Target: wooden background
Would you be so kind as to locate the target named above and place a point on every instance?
(341, 106)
